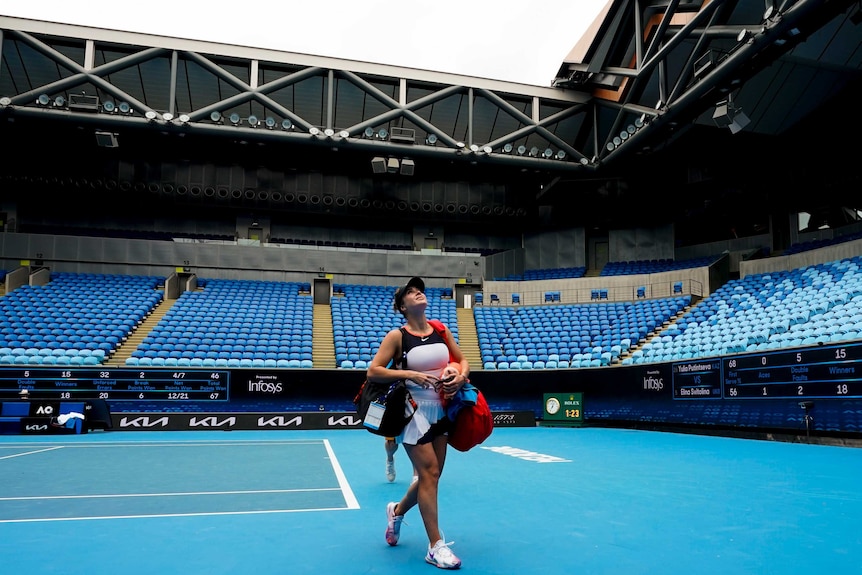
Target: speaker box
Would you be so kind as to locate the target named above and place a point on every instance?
(378, 165)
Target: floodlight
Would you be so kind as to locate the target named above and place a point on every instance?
(270, 122)
(215, 116)
(109, 107)
(369, 132)
(253, 121)
(43, 100)
(286, 124)
(508, 147)
(235, 119)
(168, 116)
(126, 108)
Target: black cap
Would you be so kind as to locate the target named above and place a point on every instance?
(399, 293)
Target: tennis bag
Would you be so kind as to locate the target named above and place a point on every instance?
(385, 408)
(473, 422)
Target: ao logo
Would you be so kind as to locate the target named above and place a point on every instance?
(45, 410)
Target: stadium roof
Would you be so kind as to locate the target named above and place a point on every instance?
(714, 116)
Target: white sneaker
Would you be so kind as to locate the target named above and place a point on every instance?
(441, 556)
(393, 524)
(390, 471)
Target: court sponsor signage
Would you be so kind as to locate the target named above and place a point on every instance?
(316, 420)
(564, 408)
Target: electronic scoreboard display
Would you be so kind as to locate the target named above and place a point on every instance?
(117, 384)
(833, 371)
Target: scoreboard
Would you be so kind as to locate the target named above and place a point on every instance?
(833, 371)
(117, 384)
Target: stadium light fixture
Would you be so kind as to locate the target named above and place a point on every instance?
(727, 115)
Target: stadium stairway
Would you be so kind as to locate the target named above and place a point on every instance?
(323, 338)
(135, 338)
(468, 338)
(659, 331)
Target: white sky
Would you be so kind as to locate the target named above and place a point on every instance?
(523, 42)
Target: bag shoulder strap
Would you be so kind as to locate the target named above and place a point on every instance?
(438, 326)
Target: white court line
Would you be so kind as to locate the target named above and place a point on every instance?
(175, 494)
(165, 515)
(195, 443)
(344, 486)
(349, 497)
(31, 452)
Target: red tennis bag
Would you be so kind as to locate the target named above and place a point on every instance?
(473, 424)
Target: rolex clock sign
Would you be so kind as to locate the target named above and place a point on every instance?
(564, 408)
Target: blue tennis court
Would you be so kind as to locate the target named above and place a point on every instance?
(529, 500)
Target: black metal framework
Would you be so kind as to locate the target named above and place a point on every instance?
(653, 70)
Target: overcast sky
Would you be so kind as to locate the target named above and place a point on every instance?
(503, 40)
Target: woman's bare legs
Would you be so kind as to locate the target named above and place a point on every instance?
(391, 447)
(428, 460)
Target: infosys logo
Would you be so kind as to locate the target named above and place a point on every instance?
(653, 383)
(265, 386)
